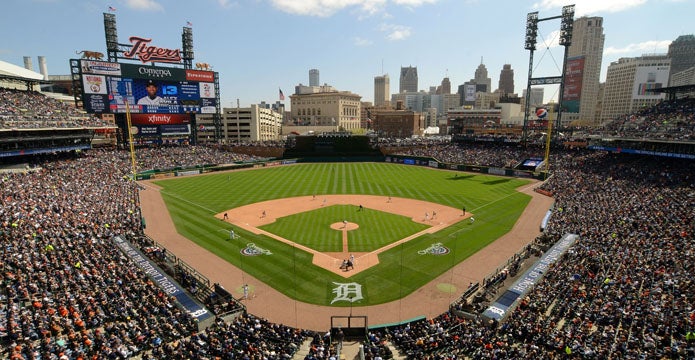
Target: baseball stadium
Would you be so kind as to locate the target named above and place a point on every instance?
(127, 234)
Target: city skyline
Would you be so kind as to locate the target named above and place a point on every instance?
(260, 45)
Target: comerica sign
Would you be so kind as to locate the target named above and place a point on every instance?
(141, 50)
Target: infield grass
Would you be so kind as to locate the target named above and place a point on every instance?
(192, 202)
(312, 228)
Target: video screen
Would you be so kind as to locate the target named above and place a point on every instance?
(146, 89)
(160, 97)
(532, 162)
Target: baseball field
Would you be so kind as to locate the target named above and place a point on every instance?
(291, 227)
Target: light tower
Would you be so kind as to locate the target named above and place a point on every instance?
(566, 28)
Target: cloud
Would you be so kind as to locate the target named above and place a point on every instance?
(148, 5)
(325, 8)
(396, 32)
(413, 2)
(590, 7)
(358, 41)
(652, 46)
(226, 3)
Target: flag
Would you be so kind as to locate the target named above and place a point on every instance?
(188, 23)
(282, 96)
(112, 9)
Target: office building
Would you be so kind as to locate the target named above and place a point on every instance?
(482, 82)
(314, 77)
(382, 90)
(408, 80)
(628, 84)
(582, 77)
(445, 87)
(241, 125)
(682, 54)
(328, 108)
(506, 83)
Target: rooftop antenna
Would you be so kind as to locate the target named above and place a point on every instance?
(382, 66)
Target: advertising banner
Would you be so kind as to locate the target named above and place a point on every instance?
(100, 67)
(469, 92)
(175, 129)
(649, 78)
(135, 71)
(94, 84)
(162, 280)
(207, 90)
(505, 303)
(199, 75)
(574, 75)
(159, 119)
(143, 130)
(95, 103)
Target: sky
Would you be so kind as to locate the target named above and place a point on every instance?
(260, 46)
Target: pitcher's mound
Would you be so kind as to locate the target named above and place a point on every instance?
(343, 226)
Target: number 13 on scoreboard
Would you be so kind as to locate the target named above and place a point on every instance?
(169, 90)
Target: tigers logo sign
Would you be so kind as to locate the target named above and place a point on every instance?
(146, 53)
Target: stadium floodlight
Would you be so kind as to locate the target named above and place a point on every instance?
(111, 36)
(531, 31)
(567, 25)
(187, 47)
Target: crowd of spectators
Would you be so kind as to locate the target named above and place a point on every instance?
(245, 337)
(21, 109)
(69, 293)
(625, 290)
(667, 120)
(474, 154)
(168, 157)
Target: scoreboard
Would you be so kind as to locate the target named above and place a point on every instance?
(109, 86)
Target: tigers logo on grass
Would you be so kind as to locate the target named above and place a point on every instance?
(252, 250)
(349, 292)
(435, 249)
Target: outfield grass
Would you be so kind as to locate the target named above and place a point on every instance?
(192, 202)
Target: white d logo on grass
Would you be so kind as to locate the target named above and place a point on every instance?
(347, 292)
(435, 249)
(252, 250)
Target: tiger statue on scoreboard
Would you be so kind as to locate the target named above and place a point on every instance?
(203, 66)
(87, 54)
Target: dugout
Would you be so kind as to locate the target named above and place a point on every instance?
(353, 328)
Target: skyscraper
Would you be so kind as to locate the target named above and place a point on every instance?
(536, 98)
(682, 54)
(408, 80)
(445, 87)
(314, 77)
(482, 82)
(587, 43)
(506, 84)
(382, 90)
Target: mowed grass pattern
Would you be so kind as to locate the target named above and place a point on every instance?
(312, 228)
(192, 202)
